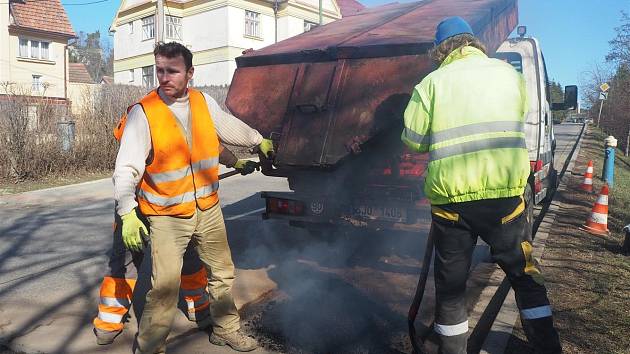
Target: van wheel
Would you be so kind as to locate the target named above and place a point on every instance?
(529, 206)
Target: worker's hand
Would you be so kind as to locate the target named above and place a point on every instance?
(266, 147)
(246, 167)
(132, 226)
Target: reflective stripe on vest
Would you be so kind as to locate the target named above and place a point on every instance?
(477, 145)
(180, 177)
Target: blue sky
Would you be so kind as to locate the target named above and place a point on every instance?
(574, 34)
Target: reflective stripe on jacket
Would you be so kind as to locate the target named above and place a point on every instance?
(182, 174)
(469, 116)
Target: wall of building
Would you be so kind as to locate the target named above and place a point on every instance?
(218, 73)
(4, 39)
(21, 70)
(214, 31)
(81, 94)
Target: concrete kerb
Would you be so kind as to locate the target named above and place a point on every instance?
(501, 330)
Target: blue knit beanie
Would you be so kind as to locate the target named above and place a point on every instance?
(451, 26)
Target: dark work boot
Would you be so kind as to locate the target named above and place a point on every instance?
(542, 335)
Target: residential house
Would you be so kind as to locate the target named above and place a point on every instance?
(81, 87)
(33, 48)
(216, 31)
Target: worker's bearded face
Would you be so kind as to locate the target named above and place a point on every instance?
(172, 75)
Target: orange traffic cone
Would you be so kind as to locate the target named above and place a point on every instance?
(587, 185)
(597, 222)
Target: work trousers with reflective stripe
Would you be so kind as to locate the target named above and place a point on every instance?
(169, 238)
(118, 284)
(502, 224)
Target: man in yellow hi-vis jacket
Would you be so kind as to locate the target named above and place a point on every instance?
(469, 116)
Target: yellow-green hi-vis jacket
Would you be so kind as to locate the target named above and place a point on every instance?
(469, 115)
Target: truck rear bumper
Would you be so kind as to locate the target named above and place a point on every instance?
(307, 210)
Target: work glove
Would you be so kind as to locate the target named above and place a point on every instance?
(246, 167)
(266, 147)
(132, 227)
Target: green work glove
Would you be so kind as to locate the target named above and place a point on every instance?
(246, 166)
(266, 147)
(131, 228)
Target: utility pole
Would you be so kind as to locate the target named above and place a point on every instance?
(321, 20)
(159, 22)
(603, 95)
(275, 16)
(601, 104)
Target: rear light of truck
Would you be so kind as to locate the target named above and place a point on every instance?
(285, 206)
(537, 167)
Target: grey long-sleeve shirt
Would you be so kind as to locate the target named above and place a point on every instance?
(135, 144)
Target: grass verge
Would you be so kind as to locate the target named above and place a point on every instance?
(587, 276)
(12, 187)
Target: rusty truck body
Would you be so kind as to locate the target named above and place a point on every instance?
(332, 100)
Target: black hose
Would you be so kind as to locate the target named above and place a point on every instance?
(417, 299)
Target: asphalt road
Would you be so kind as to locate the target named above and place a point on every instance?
(296, 293)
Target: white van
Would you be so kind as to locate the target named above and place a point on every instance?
(526, 56)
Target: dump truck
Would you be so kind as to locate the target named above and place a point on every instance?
(332, 100)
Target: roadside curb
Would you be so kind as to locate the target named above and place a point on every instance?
(501, 330)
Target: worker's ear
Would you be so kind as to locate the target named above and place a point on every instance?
(190, 72)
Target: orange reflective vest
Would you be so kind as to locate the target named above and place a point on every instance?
(179, 177)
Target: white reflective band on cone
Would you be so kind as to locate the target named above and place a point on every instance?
(536, 312)
(451, 330)
(589, 170)
(109, 317)
(588, 181)
(603, 199)
(599, 218)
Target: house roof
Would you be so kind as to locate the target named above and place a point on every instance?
(42, 15)
(77, 72)
(107, 80)
(349, 7)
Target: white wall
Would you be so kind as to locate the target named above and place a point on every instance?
(214, 74)
(206, 30)
(127, 44)
(4, 41)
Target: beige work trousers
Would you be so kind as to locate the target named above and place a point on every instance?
(169, 239)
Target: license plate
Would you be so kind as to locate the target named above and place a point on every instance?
(380, 213)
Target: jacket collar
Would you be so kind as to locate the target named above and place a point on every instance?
(462, 53)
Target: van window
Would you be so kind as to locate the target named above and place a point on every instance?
(546, 79)
(512, 58)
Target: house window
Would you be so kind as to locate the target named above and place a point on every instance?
(44, 50)
(37, 85)
(130, 25)
(147, 76)
(174, 27)
(29, 48)
(23, 48)
(131, 75)
(252, 24)
(148, 27)
(308, 25)
(35, 49)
